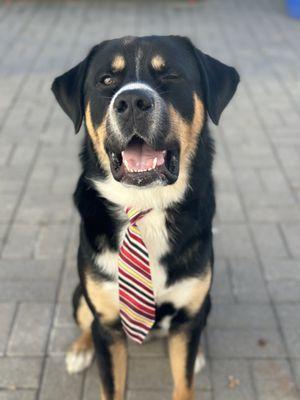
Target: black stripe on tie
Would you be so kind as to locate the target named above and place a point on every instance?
(135, 288)
(136, 246)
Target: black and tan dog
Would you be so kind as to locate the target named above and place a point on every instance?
(145, 103)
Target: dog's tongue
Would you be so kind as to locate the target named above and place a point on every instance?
(141, 157)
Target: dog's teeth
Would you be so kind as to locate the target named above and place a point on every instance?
(126, 164)
(154, 162)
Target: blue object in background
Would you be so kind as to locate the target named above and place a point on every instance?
(293, 7)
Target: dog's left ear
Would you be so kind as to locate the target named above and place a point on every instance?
(68, 91)
(220, 83)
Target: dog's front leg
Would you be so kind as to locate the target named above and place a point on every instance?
(183, 350)
(111, 355)
(180, 353)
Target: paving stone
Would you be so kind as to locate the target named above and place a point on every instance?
(222, 287)
(13, 269)
(292, 234)
(273, 213)
(146, 373)
(7, 312)
(296, 370)
(268, 241)
(234, 241)
(8, 202)
(51, 242)
(153, 348)
(281, 269)
(91, 386)
(22, 155)
(240, 371)
(17, 395)
(64, 315)
(27, 290)
(229, 208)
(21, 242)
(32, 210)
(245, 343)
(162, 395)
(247, 316)
(288, 315)
(20, 373)
(58, 384)
(273, 380)
(247, 281)
(30, 331)
(68, 285)
(62, 338)
(284, 291)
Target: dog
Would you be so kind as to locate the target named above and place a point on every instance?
(144, 103)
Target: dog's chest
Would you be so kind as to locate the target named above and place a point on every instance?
(154, 234)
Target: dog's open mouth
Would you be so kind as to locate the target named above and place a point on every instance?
(141, 165)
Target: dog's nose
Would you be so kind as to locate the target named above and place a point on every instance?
(137, 102)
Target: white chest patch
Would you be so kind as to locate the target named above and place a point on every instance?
(154, 234)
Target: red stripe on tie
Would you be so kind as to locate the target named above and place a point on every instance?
(138, 324)
(137, 304)
(136, 262)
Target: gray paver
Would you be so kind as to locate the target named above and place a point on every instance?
(30, 331)
(27, 290)
(273, 380)
(7, 311)
(20, 373)
(57, 384)
(17, 395)
(239, 370)
(244, 343)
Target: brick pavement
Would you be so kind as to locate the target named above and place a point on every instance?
(254, 331)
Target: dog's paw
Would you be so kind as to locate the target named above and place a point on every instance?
(79, 361)
(199, 363)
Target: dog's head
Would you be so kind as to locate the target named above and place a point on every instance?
(144, 102)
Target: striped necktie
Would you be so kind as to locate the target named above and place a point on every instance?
(137, 303)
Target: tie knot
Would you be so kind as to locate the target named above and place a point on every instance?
(134, 215)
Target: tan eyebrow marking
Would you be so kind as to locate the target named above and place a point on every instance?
(118, 63)
(158, 62)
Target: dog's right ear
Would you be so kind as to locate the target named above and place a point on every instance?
(68, 91)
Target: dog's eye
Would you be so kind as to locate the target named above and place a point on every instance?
(169, 77)
(107, 80)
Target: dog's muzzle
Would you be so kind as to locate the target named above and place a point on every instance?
(139, 151)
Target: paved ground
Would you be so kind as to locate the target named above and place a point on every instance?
(254, 332)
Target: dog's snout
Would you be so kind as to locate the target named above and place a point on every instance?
(137, 102)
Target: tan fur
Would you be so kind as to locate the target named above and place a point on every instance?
(83, 343)
(158, 63)
(104, 297)
(98, 136)
(119, 360)
(84, 315)
(118, 63)
(178, 357)
(199, 292)
(187, 133)
(118, 351)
